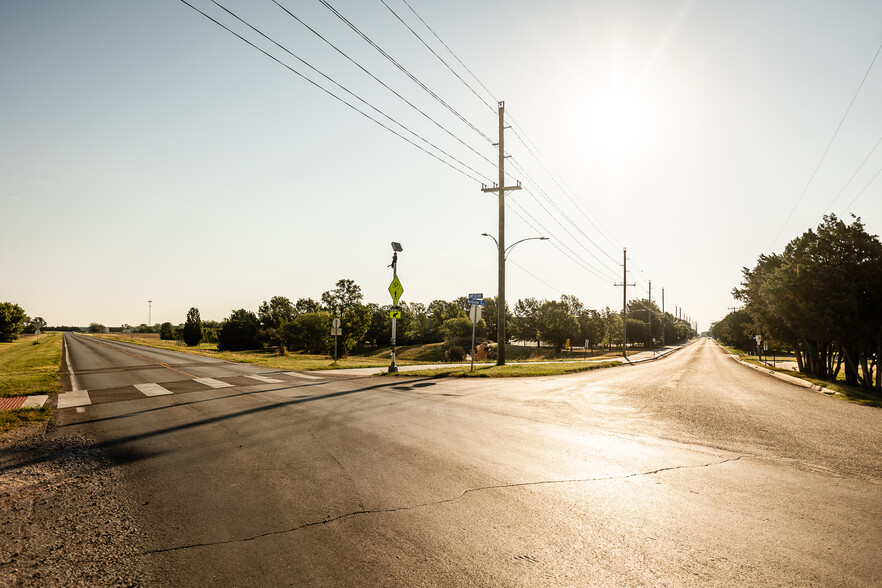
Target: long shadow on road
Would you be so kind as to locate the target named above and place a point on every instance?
(130, 456)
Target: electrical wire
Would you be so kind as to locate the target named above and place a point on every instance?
(403, 69)
(384, 84)
(535, 277)
(489, 93)
(853, 175)
(864, 189)
(335, 96)
(833, 138)
(357, 97)
(441, 59)
(575, 257)
(566, 216)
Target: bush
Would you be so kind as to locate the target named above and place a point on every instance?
(167, 332)
(239, 332)
(193, 328)
(455, 352)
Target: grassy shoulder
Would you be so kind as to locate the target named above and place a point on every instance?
(23, 416)
(511, 371)
(30, 365)
(839, 388)
(360, 358)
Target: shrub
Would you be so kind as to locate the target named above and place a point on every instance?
(239, 332)
(193, 328)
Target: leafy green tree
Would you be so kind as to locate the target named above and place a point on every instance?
(524, 325)
(276, 312)
(417, 323)
(734, 330)
(309, 331)
(380, 330)
(239, 332)
(12, 319)
(305, 305)
(192, 333)
(612, 322)
(97, 328)
(490, 316)
(167, 332)
(556, 324)
(824, 295)
(355, 318)
(591, 328)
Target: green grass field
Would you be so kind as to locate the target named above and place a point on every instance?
(30, 364)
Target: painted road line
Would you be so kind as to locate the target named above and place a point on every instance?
(265, 379)
(74, 384)
(152, 389)
(72, 399)
(35, 401)
(212, 382)
(299, 375)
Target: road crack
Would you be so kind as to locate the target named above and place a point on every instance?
(363, 512)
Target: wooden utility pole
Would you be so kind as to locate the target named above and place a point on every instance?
(624, 286)
(501, 188)
(663, 318)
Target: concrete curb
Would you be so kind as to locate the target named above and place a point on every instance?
(783, 377)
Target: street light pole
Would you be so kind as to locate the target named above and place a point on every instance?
(500, 299)
(149, 312)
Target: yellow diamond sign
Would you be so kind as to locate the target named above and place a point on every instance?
(396, 290)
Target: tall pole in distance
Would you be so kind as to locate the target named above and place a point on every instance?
(649, 312)
(500, 298)
(624, 286)
(149, 312)
(663, 318)
(501, 188)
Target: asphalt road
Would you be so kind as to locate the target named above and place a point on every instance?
(692, 470)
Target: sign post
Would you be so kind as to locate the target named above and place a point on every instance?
(336, 331)
(396, 290)
(476, 306)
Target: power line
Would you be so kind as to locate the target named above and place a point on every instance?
(527, 142)
(566, 216)
(403, 69)
(847, 110)
(359, 98)
(441, 59)
(384, 84)
(853, 175)
(535, 277)
(333, 95)
(489, 93)
(574, 257)
(850, 204)
(517, 164)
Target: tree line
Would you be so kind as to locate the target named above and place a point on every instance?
(305, 325)
(822, 298)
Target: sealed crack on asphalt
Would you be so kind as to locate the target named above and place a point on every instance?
(356, 513)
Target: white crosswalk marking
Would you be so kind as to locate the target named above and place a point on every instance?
(152, 389)
(299, 375)
(265, 379)
(212, 382)
(72, 399)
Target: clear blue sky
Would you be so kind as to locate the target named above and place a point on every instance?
(148, 154)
